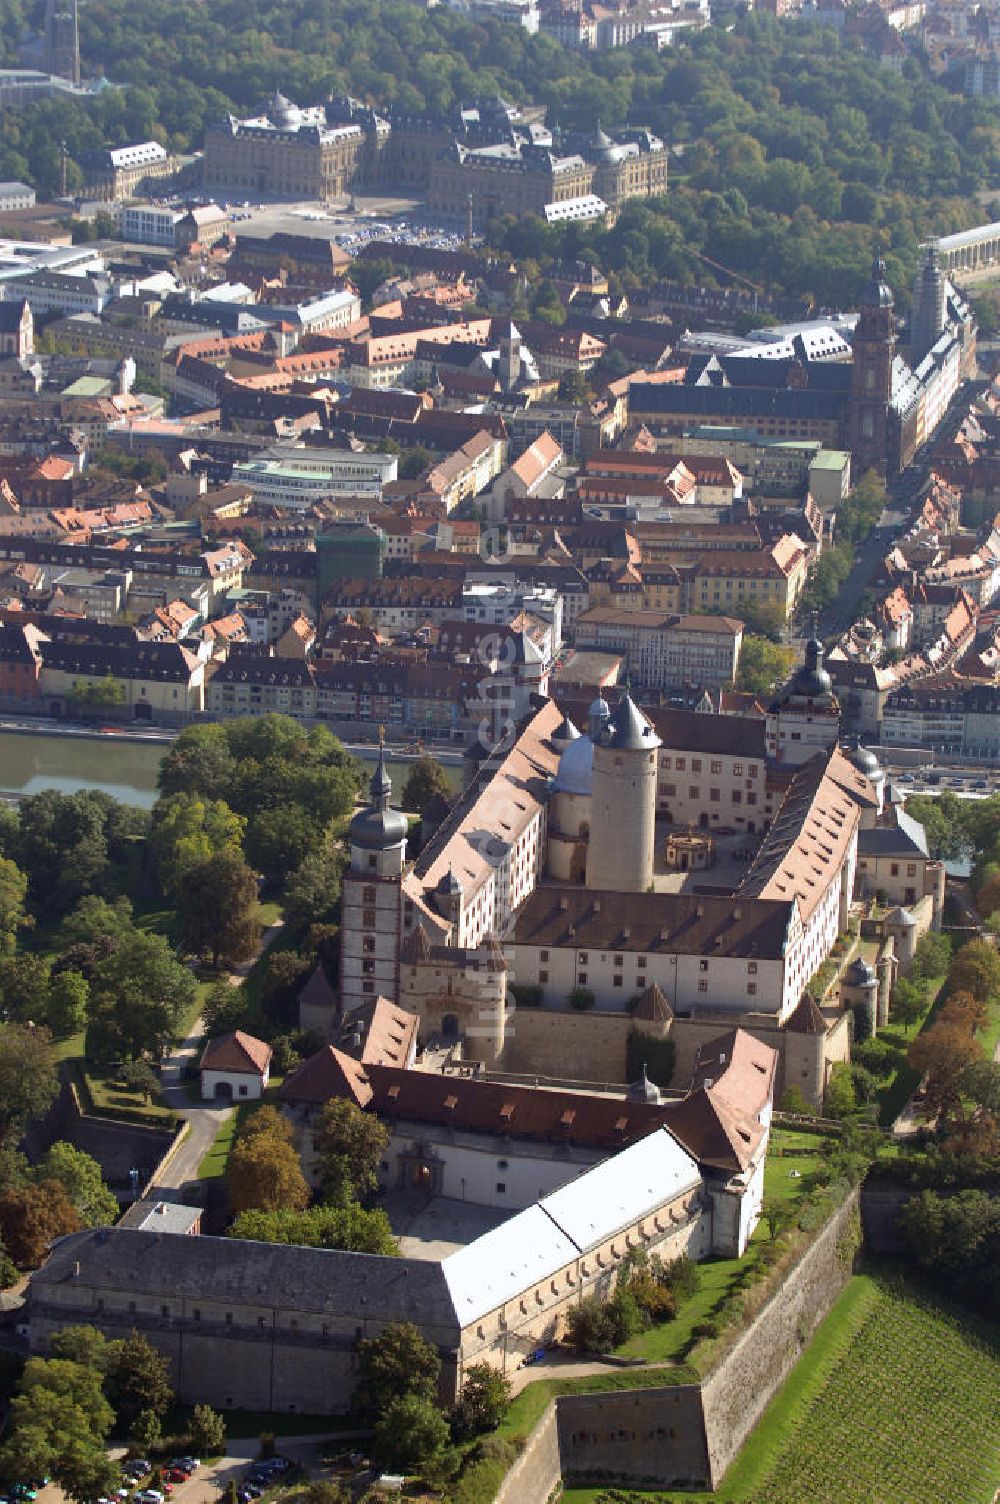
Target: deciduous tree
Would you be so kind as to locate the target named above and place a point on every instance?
(349, 1145)
(138, 1379)
(80, 1176)
(398, 1362)
(410, 1430)
(208, 1432)
(942, 1054)
(217, 908)
(485, 1399)
(13, 893)
(264, 1174)
(138, 997)
(28, 1081)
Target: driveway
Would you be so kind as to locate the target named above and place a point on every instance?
(203, 1119)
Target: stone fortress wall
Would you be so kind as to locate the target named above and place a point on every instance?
(689, 1434)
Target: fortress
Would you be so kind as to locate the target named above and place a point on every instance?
(542, 940)
(546, 920)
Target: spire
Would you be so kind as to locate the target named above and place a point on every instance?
(381, 784)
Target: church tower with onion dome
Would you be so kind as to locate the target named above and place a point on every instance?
(370, 935)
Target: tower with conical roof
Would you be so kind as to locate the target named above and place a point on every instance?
(370, 934)
(623, 802)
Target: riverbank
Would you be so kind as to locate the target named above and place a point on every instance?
(401, 752)
(39, 755)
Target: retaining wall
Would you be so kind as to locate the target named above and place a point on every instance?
(687, 1435)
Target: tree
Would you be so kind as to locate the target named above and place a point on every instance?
(80, 1176)
(82, 1344)
(63, 848)
(188, 829)
(59, 1421)
(485, 1399)
(223, 1008)
(208, 1432)
(397, 1363)
(97, 696)
(66, 1011)
(425, 781)
(147, 1430)
(908, 1003)
(217, 908)
(351, 1227)
(266, 1122)
(840, 1094)
(965, 1012)
(138, 1379)
(312, 892)
(349, 1146)
(264, 1174)
(139, 1076)
(762, 664)
(199, 762)
(932, 956)
(410, 1430)
(24, 986)
(941, 1055)
(138, 997)
(13, 893)
(976, 969)
(28, 1081)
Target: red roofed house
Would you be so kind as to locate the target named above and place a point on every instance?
(235, 1066)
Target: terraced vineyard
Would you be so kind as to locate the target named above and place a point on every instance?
(896, 1401)
(902, 1408)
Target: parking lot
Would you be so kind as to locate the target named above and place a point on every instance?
(209, 1481)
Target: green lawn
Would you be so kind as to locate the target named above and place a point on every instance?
(791, 1159)
(896, 1400)
(213, 1166)
(989, 1037)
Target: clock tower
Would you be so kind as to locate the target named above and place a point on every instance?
(871, 437)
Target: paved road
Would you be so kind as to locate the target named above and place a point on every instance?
(203, 1119)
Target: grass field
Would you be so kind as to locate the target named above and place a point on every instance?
(896, 1401)
(793, 1155)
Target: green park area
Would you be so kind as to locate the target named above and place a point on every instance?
(897, 1399)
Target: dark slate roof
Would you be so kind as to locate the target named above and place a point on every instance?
(138, 660)
(691, 731)
(724, 402)
(906, 838)
(664, 923)
(11, 315)
(287, 1277)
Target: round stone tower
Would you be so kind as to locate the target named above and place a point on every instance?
(623, 802)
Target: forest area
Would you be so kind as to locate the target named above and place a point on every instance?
(791, 150)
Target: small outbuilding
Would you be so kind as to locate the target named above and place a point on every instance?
(235, 1067)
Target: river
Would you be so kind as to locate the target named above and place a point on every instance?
(126, 770)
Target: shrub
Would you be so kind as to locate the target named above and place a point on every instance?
(582, 998)
(527, 995)
(658, 1056)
